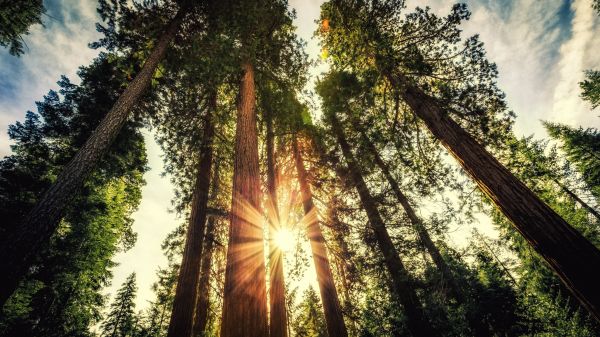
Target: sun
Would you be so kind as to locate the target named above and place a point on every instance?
(284, 239)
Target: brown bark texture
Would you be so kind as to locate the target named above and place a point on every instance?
(278, 311)
(182, 314)
(203, 297)
(245, 294)
(568, 253)
(417, 323)
(329, 296)
(37, 227)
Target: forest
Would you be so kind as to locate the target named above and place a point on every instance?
(308, 205)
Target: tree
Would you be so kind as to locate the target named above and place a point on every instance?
(182, 316)
(41, 222)
(16, 17)
(567, 252)
(582, 148)
(310, 321)
(333, 312)
(61, 293)
(405, 295)
(590, 87)
(121, 321)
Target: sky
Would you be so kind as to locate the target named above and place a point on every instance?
(541, 49)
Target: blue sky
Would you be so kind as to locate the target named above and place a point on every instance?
(541, 49)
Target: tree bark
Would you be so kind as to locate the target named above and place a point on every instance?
(400, 279)
(203, 298)
(278, 322)
(19, 249)
(245, 296)
(329, 296)
(182, 315)
(567, 252)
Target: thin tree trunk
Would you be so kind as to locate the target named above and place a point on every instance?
(245, 294)
(182, 315)
(331, 303)
(448, 279)
(203, 298)
(400, 279)
(278, 312)
(19, 249)
(578, 200)
(567, 252)
(416, 222)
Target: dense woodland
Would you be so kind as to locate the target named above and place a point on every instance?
(269, 169)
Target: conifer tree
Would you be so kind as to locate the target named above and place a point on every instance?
(309, 320)
(121, 320)
(16, 17)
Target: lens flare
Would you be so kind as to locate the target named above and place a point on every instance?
(284, 239)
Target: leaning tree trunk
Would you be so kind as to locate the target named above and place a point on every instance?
(448, 278)
(20, 248)
(331, 303)
(203, 298)
(245, 294)
(578, 200)
(400, 279)
(182, 314)
(568, 253)
(416, 222)
(278, 326)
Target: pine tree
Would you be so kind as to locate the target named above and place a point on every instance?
(41, 221)
(16, 17)
(121, 319)
(310, 321)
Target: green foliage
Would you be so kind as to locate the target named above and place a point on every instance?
(121, 319)
(582, 147)
(309, 320)
(16, 17)
(61, 296)
(590, 88)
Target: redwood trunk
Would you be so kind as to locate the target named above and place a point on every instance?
(568, 253)
(245, 294)
(182, 315)
(278, 322)
(331, 303)
(400, 279)
(19, 249)
(203, 302)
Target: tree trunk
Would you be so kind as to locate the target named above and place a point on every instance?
(567, 252)
(20, 248)
(416, 222)
(448, 279)
(203, 298)
(182, 315)
(245, 294)
(278, 322)
(331, 303)
(400, 279)
(578, 200)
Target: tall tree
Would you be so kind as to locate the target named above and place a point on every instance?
(40, 223)
(329, 296)
(245, 307)
(400, 285)
(16, 17)
(567, 252)
(310, 321)
(278, 311)
(121, 321)
(203, 298)
(182, 316)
